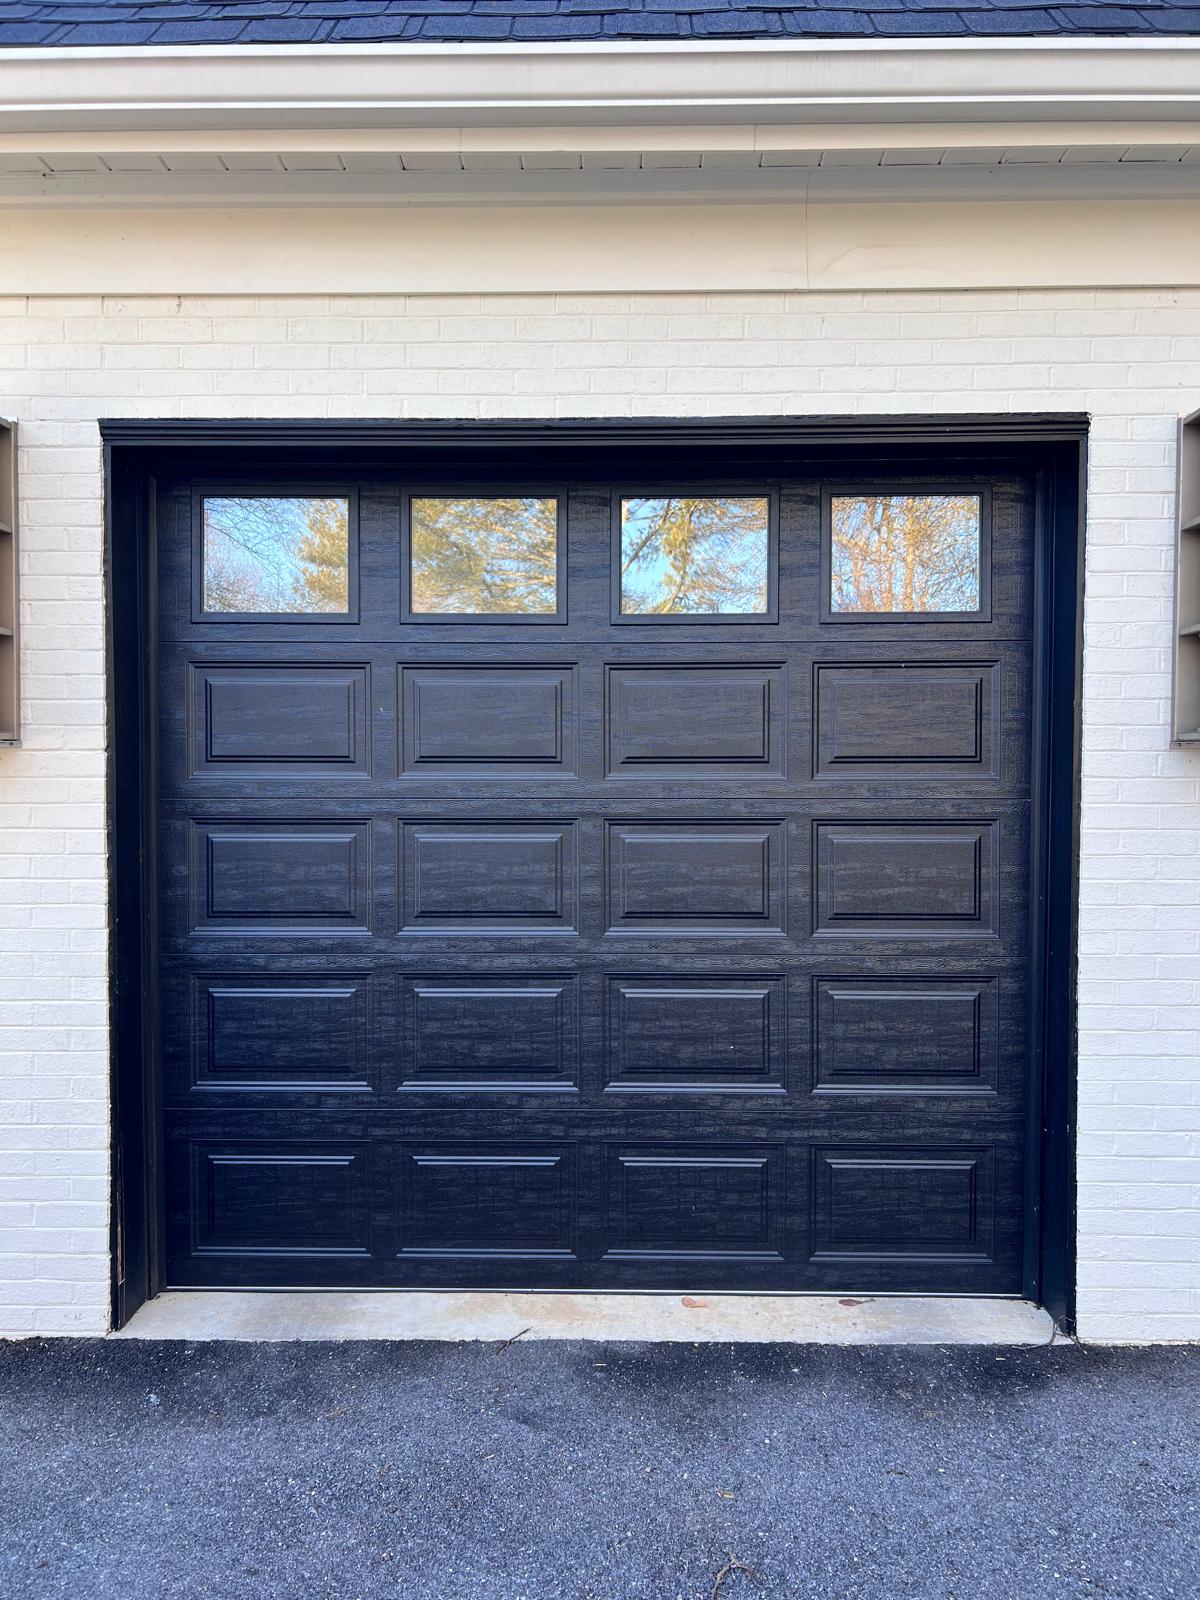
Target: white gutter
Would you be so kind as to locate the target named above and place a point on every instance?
(171, 89)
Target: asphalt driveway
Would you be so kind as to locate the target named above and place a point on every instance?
(597, 1472)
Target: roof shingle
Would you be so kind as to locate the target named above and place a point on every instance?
(125, 23)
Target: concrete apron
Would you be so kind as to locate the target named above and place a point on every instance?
(700, 1318)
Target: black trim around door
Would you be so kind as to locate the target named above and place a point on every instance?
(1053, 445)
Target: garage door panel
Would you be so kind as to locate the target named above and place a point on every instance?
(280, 721)
(434, 1198)
(257, 1199)
(282, 1032)
(904, 721)
(489, 878)
(252, 720)
(717, 1202)
(259, 1031)
(925, 721)
(907, 1035)
(706, 721)
(713, 1023)
(488, 1199)
(931, 723)
(280, 877)
(884, 1204)
(939, 1215)
(674, 1033)
(697, 878)
(488, 721)
(927, 879)
(489, 1032)
(708, 874)
(589, 514)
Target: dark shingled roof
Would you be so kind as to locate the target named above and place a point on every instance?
(183, 22)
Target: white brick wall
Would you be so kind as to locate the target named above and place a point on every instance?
(1130, 358)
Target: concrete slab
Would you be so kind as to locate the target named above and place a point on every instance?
(669, 1318)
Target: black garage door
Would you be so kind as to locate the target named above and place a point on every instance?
(595, 881)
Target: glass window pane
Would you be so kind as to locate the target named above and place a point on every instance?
(905, 552)
(276, 555)
(703, 555)
(485, 557)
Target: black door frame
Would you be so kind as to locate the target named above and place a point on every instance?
(1053, 446)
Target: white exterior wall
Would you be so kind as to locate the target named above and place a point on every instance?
(1131, 358)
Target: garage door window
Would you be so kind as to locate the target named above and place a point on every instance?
(484, 557)
(694, 557)
(275, 555)
(906, 554)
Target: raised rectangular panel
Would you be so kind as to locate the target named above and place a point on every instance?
(489, 1031)
(488, 722)
(488, 1200)
(893, 1205)
(920, 720)
(281, 1031)
(883, 879)
(695, 877)
(911, 1035)
(686, 1034)
(279, 1200)
(698, 721)
(489, 877)
(280, 721)
(280, 877)
(672, 1202)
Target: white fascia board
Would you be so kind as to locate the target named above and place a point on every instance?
(168, 89)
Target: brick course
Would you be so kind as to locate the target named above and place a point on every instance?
(1130, 358)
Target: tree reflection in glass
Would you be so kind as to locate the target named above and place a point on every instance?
(905, 552)
(276, 555)
(700, 555)
(487, 556)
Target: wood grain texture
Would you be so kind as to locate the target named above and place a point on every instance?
(595, 955)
